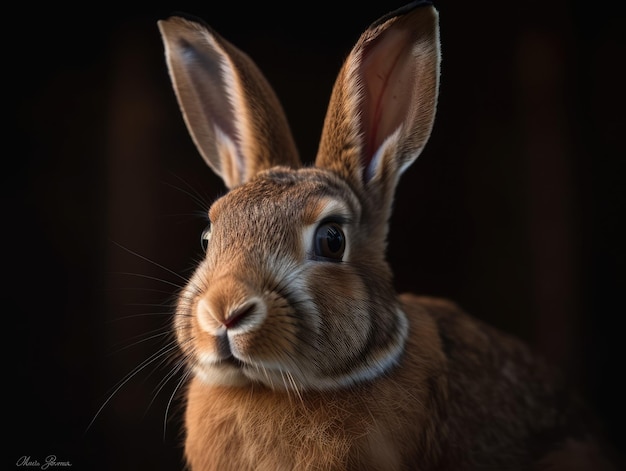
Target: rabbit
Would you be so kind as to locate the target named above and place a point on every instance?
(300, 354)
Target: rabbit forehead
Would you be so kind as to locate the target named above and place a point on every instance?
(286, 197)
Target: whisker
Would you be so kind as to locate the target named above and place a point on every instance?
(295, 386)
(183, 379)
(147, 290)
(145, 363)
(142, 339)
(172, 272)
(135, 316)
(192, 192)
(282, 376)
(149, 305)
(153, 278)
(165, 380)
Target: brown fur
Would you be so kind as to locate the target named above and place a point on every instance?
(364, 427)
(302, 357)
(455, 402)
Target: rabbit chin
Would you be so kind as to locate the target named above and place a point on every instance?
(236, 373)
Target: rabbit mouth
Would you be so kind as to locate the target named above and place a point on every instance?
(225, 368)
(231, 361)
(230, 371)
(224, 352)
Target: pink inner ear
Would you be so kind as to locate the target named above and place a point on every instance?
(388, 79)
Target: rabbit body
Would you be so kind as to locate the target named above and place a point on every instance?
(301, 355)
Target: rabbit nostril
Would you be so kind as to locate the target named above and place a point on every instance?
(239, 314)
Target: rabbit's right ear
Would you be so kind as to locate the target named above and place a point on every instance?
(231, 112)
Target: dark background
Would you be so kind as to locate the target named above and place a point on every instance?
(514, 209)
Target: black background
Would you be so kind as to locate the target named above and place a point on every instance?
(514, 209)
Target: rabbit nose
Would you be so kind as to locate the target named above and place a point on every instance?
(230, 304)
(244, 316)
(239, 314)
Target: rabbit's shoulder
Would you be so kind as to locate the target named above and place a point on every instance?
(497, 399)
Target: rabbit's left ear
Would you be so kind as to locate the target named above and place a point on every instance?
(383, 103)
(231, 111)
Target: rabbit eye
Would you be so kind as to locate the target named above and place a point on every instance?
(330, 241)
(204, 238)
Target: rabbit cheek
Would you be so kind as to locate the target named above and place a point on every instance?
(342, 301)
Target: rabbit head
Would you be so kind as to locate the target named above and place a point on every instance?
(295, 291)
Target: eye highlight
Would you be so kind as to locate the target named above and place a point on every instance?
(205, 237)
(330, 241)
